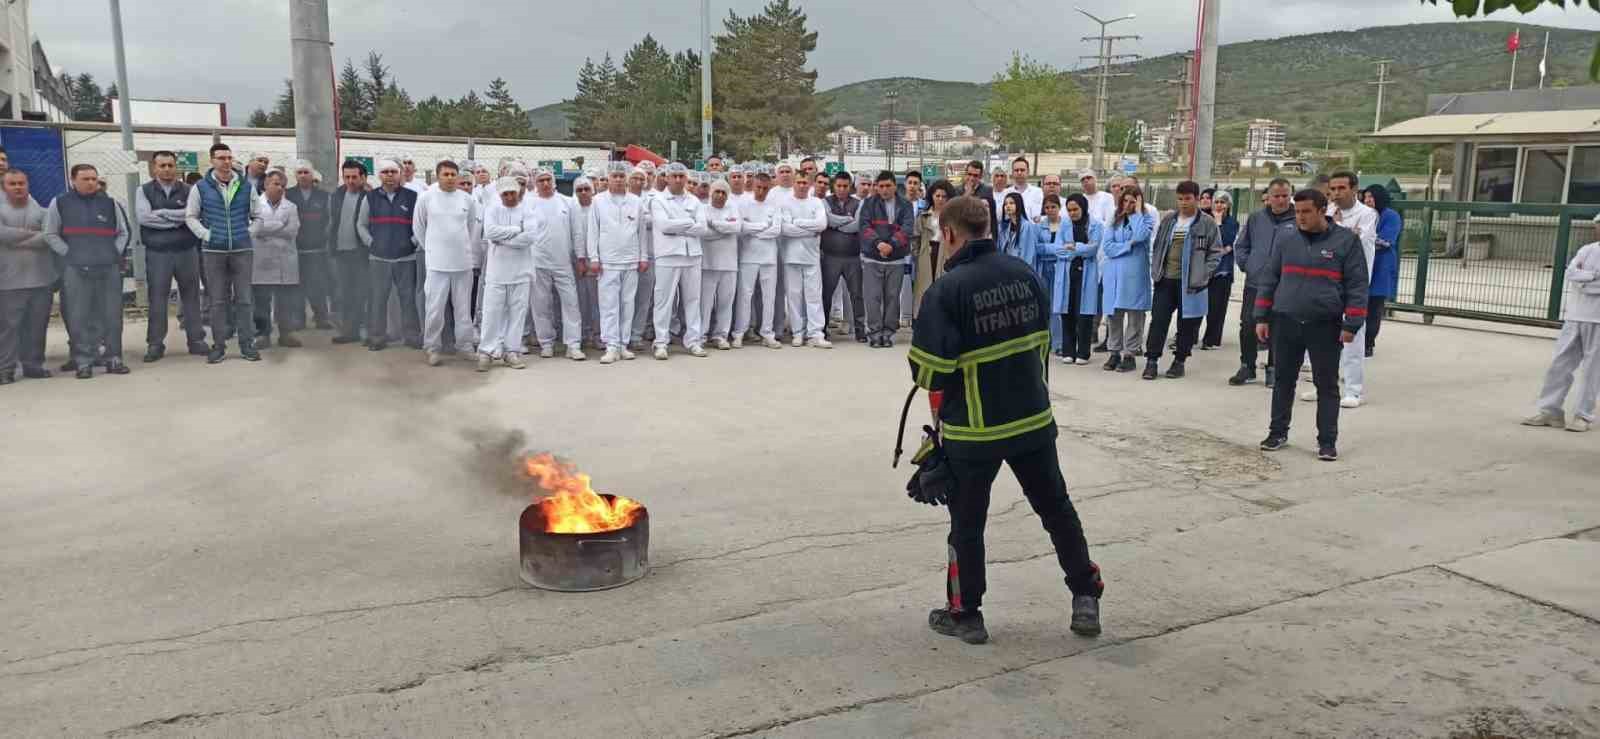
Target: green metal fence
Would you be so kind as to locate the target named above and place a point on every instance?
(1489, 261)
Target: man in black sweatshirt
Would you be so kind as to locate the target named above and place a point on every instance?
(1311, 299)
(1253, 253)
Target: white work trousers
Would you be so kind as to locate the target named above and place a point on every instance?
(1353, 365)
(673, 283)
(456, 289)
(749, 275)
(804, 285)
(717, 289)
(1577, 346)
(505, 308)
(548, 285)
(618, 287)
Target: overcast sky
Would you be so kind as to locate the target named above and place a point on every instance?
(237, 51)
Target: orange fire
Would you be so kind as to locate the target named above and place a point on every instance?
(570, 505)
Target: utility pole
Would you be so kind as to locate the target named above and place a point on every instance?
(125, 109)
(316, 136)
(706, 112)
(1105, 57)
(1182, 127)
(891, 97)
(1205, 98)
(1383, 81)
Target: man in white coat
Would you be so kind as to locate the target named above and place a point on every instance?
(588, 282)
(1102, 206)
(510, 231)
(615, 250)
(675, 240)
(447, 225)
(552, 267)
(804, 219)
(762, 221)
(720, 227)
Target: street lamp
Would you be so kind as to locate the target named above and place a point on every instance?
(1106, 58)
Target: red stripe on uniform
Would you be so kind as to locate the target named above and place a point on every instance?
(1263, 302)
(1356, 312)
(390, 219)
(1292, 269)
(87, 231)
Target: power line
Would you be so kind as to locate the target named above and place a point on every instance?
(1383, 81)
(1105, 57)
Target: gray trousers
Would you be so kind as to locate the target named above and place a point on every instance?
(848, 269)
(24, 318)
(95, 316)
(588, 306)
(1125, 331)
(354, 275)
(316, 284)
(161, 268)
(881, 284)
(393, 278)
(1577, 346)
(228, 273)
(280, 304)
(644, 302)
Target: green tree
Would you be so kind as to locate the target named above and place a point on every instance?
(355, 110)
(763, 91)
(378, 82)
(506, 119)
(395, 113)
(282, 115)
(259, 119)
(88, 100)
(591, 112)
(1470, 8)
(1035, 106)
(650, 97)
(1394, 158)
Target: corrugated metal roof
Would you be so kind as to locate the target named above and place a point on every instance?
(1510, 127)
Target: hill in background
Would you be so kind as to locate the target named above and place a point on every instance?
(1315, 84)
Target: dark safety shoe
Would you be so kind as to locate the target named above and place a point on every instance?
(115, 366)
(377, 346)
(249, 353)
(290, 341)
(1149, 369)
(1273, 443)
(36, 373)
(1176, 370)
(199, 349)
(1113, 363)
(1271, 378)
(216, 354)
(1127, 364)
(1369, 352)
(1101, 347)
(71, 365)
(154, 353)
(1328, 453)
(6, 378)
(1085, 615)
(1244, 376)
(346, 339)
(86, 372)
(967, 627)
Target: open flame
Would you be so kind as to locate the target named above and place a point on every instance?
(570, 505)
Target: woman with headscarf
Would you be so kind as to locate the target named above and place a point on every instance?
(1385, 283)
(1221, 287)
(1076, 295)
(927, 262)
(1013, 235)
(1051, 235)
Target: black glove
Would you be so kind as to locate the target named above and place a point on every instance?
(932, 483)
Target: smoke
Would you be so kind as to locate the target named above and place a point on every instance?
(497, 460)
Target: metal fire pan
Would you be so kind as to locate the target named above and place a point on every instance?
(582, 562)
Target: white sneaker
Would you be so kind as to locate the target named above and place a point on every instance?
(1350, 401)
(1546, 418)
(1309, 396)
(628, 355)
(697, 351)
(661, 353)
(738, 342)
(1083, 361)
(721, 344)
(820, 343)
(798, 341)
(575, 354)
(434, 359)
(547, 352)
(485, 362)
(1578, 425)
(773, 344)
(610, 357)
(1068, 360)
(514, 361)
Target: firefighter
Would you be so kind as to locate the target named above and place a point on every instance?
(980, 347)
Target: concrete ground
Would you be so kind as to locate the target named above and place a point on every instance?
(324, 544)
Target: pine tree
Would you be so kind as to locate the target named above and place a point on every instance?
(763, 92)
(592, 112)
(259, 119)
(88, 102)
(396, 113)
(282, 115)
(377, 84)
(355, 112)
(507, 118)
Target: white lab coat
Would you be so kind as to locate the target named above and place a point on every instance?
(763, 224)
(447, 226)
(616, 230)
(674, 229)
(511, 234)
(719, 242)
(556, 249)
(803, 223)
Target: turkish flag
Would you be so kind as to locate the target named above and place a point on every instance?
(1514, 41)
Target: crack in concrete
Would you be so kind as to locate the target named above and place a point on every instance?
(1445, 568)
